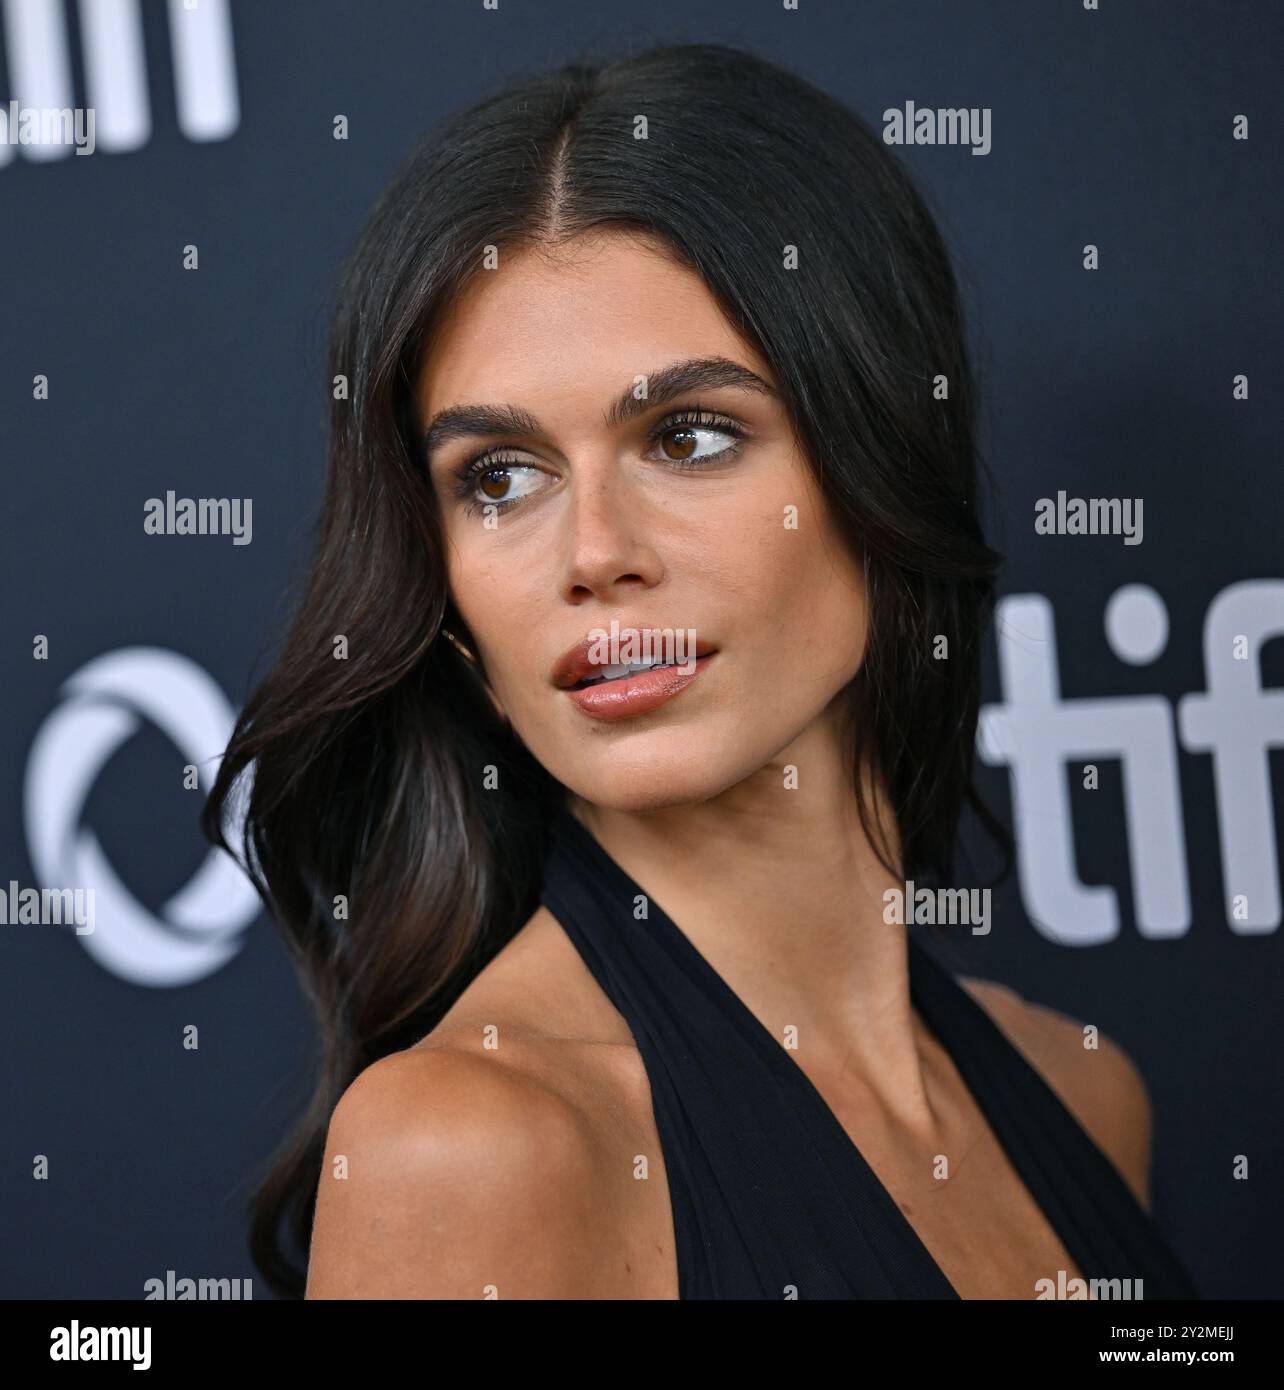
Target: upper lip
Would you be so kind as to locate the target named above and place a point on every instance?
(574, 665)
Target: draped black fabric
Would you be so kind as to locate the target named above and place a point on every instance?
(769, 1194)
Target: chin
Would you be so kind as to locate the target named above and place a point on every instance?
(652, 771)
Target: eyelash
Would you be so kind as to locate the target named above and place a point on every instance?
(469, 471)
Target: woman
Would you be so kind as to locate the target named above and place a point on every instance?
(667, 352)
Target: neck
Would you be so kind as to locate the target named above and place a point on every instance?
(781, 891)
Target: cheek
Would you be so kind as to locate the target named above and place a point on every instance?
(796, 571)
(488, 590)
(806, 594)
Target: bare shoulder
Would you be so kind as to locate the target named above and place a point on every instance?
(1101, 1086)
(449, 1175)
(477, 1163)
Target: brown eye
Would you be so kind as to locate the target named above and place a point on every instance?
(686, 442)
(495, 483)
(499, 482)
(695, 441)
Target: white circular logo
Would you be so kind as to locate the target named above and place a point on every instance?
(200, 927)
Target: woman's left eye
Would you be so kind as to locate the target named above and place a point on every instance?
(687, 443)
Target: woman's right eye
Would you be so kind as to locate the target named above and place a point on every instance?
(498, 483)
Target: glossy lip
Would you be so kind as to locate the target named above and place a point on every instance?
(574, 665)
(631, 696)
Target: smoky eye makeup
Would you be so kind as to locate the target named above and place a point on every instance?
(484, 479)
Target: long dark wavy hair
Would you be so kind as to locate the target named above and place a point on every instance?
(359, 777)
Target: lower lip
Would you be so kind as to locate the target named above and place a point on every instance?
(640, 694)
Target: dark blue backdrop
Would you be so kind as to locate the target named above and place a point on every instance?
(1111, 127)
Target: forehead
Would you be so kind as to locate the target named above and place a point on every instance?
(586, 318)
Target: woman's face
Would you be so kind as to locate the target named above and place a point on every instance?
(618, 485)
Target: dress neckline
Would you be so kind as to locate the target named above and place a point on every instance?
(934, 993)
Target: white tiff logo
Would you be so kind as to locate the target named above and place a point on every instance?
(115, 62)
(1041, 737)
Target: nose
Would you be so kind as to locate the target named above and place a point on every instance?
(607, 550)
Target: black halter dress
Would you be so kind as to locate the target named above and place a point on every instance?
(770, 1197)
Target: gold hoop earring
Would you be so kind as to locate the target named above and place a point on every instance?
(458, 646)
(472, 661)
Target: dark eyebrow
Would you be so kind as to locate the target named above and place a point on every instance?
(694, 374)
